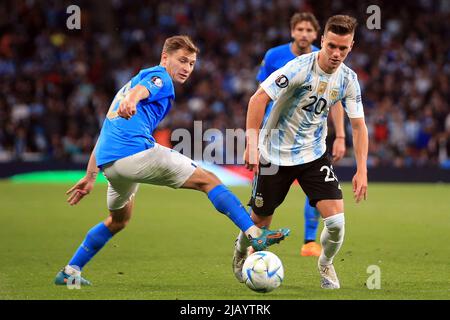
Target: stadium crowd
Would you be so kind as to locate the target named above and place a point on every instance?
(56, 84)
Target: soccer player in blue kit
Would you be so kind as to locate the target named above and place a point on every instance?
(304, 30)
(128, 155)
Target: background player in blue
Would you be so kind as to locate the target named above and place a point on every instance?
(128, 155)
(304, 30)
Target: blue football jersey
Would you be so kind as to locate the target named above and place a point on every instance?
(274, 59)
(119, 137)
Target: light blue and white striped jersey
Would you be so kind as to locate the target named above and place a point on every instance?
(303, 94)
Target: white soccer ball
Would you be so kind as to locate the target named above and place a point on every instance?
(263, 271)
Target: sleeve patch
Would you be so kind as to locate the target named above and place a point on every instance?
(282, 81)
(157, 81)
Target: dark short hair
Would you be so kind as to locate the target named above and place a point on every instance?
(341, 24)
(179, 42)
(305, 16)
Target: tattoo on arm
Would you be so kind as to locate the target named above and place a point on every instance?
(92, 174)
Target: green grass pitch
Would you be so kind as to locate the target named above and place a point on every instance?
(177, 247)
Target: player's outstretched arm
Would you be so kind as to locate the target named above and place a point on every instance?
(86, 184)
(255, 115)
(337, 116)
(127, 107)
(361, 146)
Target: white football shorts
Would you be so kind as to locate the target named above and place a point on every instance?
(158, 165)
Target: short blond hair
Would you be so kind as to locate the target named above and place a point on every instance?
(180, 42)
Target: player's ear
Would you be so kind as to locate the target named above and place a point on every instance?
(321, 41)
(164, 56)
(351, 46)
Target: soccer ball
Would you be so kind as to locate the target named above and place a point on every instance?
(263, 271)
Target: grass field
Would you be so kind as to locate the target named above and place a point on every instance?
(178, 247)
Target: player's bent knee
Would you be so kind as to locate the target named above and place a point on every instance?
(336, 224)
(207, 177)
(328, 208)
(211, 180)
(115, 225)
(212, 177)
(118, 219)
(202, 180)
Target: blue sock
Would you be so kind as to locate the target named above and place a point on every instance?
(311, 222)
(94, 241)
(227, 203)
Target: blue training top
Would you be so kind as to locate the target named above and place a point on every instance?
(276, 58)
(120, 138)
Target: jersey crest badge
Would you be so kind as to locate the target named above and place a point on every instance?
(334, 94)
(282, 81)
(259, 201)
(322, 87)
(157, 81)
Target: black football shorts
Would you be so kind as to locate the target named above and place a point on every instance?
(316, 178)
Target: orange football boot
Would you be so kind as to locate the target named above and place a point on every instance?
(311, 249)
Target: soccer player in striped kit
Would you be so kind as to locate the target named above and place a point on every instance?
(304, 30)
(291, 144)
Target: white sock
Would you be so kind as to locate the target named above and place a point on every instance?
(253, 231)
(242, 243)
(332, 237)
(71, 271)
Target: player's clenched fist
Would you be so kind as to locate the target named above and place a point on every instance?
(127, 108)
